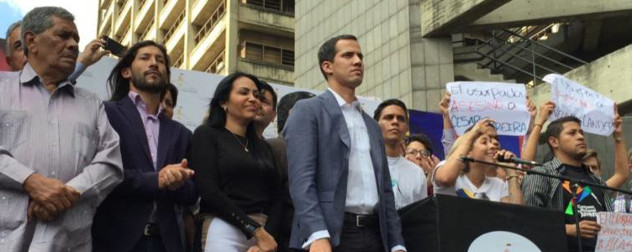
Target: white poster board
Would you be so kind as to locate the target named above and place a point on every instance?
(571, 98)
(506, 103)
(616, 232)
(195, 90)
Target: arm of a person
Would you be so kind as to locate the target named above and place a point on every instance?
(448, 138)
(105, 171)
(204, 162)
(530, 150)
(449, 134)
(79, 69)
(621, 171)
(515, 192)
(12, 172)
(423, 187)
(446, 175)
(187, 193)
(90, 55)
(531, 146)
(301, 136)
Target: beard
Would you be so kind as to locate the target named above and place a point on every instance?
(140, 82)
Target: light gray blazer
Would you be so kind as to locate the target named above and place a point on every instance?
(318, 144)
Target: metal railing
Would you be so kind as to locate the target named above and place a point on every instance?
(121, 8)
(147, 29)
(179, 61)
(175, 25)
(217, 65)
(211, 22)
(509, 51)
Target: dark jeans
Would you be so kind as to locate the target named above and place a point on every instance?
(149, 244)
(356, 239)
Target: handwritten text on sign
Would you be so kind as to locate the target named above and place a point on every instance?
(503, 102)
(594, 110)
(615, 233)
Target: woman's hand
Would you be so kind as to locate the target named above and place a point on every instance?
(481, 127)
(265, 241)
(506, 155)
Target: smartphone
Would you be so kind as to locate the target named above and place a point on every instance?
(113, 46)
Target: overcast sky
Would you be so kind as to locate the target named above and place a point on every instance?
(85, 12)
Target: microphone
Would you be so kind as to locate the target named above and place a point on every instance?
(516, 160)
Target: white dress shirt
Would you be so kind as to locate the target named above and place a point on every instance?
(362, 195)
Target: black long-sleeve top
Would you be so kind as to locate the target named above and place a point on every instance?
(232, 182)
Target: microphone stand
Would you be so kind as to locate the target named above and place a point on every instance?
(575, 183)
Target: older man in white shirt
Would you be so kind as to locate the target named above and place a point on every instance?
(59, 156)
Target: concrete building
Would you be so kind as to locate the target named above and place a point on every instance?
(413, 48)
(215, 36)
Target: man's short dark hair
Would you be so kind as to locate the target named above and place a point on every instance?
(328, 50)
(285, 105)
(556, 127)
(266, 87)
(173, 90)
(389, 102)
(421, 138)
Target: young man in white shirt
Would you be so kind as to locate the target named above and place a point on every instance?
(407, 179)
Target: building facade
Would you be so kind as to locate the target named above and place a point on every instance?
(215, 36)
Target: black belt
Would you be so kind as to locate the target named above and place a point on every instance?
(361, 220)
(151, 230)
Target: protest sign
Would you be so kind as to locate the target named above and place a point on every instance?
(616, 232)
(571, 98)
(505, 103)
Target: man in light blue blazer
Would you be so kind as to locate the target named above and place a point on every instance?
(338, 171)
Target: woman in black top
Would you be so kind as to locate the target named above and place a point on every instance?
(235, 172)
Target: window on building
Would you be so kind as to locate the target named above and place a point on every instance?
(286, 6)
(268, 54)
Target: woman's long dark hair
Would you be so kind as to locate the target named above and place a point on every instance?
(217, 115)
(119, 86)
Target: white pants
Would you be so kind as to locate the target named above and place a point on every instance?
(219, 235)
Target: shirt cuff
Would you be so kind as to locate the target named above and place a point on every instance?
(79, 69)
(398, 247)
(315, 236)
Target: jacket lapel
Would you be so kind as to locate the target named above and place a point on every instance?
(164, 140)
(333, 109)
(133, 117)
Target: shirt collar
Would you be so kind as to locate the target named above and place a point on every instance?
(342, 102)
(138, 101)
(28, 76)
(560, 167)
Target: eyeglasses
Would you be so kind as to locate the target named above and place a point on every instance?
(416, 152)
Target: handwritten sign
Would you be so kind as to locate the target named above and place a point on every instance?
(571, 98)
(504, 102)
(616, 232)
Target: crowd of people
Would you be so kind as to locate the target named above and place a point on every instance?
(81, 174)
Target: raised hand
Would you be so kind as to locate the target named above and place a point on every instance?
(445, 104)
(92, 52)
(545, 111)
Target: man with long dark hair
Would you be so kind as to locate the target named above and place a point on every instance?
(338, 172)
(139, 215)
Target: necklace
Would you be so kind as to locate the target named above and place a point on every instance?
(239, 141)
